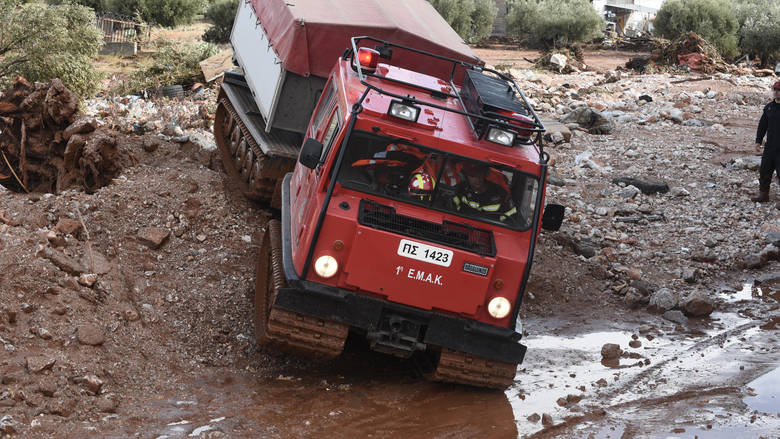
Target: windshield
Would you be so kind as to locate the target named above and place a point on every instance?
(396, 169)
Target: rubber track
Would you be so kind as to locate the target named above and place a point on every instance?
(462, 368)
(268, 170)
(291, 331)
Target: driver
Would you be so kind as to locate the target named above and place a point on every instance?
(477, 194)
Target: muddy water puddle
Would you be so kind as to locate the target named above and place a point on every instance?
(708, 378)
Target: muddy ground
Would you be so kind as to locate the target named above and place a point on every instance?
(160, 342)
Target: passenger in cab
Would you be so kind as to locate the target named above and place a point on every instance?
(480, 196)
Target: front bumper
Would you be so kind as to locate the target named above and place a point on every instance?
(400, 327)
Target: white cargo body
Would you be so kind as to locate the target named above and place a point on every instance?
(262, 66)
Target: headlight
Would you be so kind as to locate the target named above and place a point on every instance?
(403, 111)
(326, 266)
(502, 137)
(499, 307)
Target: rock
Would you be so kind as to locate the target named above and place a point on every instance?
(630, 192)
(647, 187)
(634, 299)
(47, 386)
(769, 253)
(88, 279)
(773, 238)
(63, 262)
(556, 138)
(586, 248)
(751, 162)
(698, 305)
(67, 226)
(91, 383)
(90, 335)
(108, 404)
(646, 98)
(562, 402)
(39, 363)
(81, 126)
(42, 333)
(61, 407)
(151, 143)
(635, 344)
(753, 261)
(573, 399)
(675, 316)
(679, 192)
(689, 275)
(547, 420)
(558, 60)
(662, 300)
(98, 263)
(675, 115)
(611, 351)
(153, 237)
(534, 418)
(693, 123)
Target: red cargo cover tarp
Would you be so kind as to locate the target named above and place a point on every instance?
(310, 35)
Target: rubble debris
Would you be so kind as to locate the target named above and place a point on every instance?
(646, 186)
(47, 145)
(589, 120)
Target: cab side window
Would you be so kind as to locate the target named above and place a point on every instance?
(327, 102)
(330, 134)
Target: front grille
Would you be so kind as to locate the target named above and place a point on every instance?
(456, 235)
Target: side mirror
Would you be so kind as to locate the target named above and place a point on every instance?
(553, 216)
(311, 153)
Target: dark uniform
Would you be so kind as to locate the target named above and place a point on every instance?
(770, 160)
(492, 202)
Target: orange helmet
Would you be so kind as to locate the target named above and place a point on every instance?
(421, 184)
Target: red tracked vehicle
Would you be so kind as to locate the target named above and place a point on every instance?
(411, 214)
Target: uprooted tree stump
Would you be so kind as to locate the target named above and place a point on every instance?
(47, 145)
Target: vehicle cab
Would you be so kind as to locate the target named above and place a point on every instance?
(413, 213)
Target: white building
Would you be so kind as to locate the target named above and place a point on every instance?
(629, 15)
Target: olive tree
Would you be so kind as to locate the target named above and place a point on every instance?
(222, 15)
(714, 20)
(42, 42)
(552, 23)
(471, 19)
(759, 28)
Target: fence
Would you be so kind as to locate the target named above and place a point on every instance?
(117, 30)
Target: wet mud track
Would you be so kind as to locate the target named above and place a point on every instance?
(713, 378)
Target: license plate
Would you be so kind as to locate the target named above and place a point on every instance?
(425, 253)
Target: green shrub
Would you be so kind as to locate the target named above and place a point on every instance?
(222, 15)
(759, 28)
(171, 64)
(714, 20)
(41, 42)
(553, 23)
(471, 19)
(170, 13)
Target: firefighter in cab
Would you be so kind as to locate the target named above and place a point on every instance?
(478, 195)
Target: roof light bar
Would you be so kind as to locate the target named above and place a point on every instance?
(404, 111)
